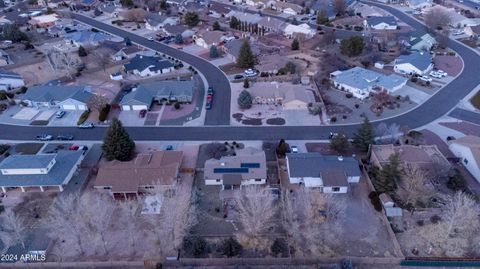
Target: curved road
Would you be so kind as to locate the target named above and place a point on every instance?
(437, 106)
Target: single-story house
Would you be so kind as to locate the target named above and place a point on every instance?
(423, 43)
(472, 31)
(209, 38)
(244, 16)
(158, 170)
(366, 11)
(218, 10)
(232, 48)
(271, 25)
(287, 8)
(145, 66)
(10, 80)
(43, 21)
(58, 96)
(155, 22)
(247, 167)
(419, 63)
(287, 95)
(116, 76)
(419, 4)
(126, 52)
(361, 82)
(159, 91)
(381, 23)
(85, 38)
(39, 172)
(423, 156)
(109, 10)
(327, 7)
(296, 30)
(467, 148)
(174, 30)
(331, 174)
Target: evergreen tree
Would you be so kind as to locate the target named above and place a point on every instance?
(245, 59)
(339, 143)
(244, 100)
(216, 26)
(117, 144)
(234, 23)
(127, 41)
(179, 39)
(295, 44)
(282, 147)
(191, 18)
(322, 17)
(163, 4)
(352, 46)
(230, 247)
(246, 83)
(364, 137)
(390, 175)
(213, 52)
(82, 52)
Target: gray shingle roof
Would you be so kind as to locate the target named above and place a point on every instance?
(57, 93)
(364, 79)
(27, 161)
(233, 47)
(314, 165)
(390, 20)
(167, 89)
(155, 19)
(65, 162)
(142, 62)
(9, 74)
(420, 60)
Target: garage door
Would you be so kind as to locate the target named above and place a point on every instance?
(69, 107)
(82, 107)
(139, 107)
(125, 107)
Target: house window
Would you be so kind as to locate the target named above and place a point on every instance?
(107, 188)
(149, 187)
(465, 161)
(258, 179)
(217, 180)
(336, 189)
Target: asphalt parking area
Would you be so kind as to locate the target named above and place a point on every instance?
(151, 119)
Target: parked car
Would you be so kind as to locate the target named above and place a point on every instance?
(208, 105)
(238, 77)
(425, 78)
(142, 113)
(435, 74)
(250, 72)
(275, 192)
(169, 147)
(86, 125)
(77, 147)
(65, 137)
(59, 114)
(443, 73)
(210, 91)
(150, 38)
(44, 137)
(294, 149)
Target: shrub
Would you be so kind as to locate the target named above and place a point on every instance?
(414, 79)
(339, 27)
(279, 246)
(3, 95)
(230, 247)
(23, 89)
(102, 116)
(3, 107)
(347, 264)
(456, 181)
(195, 246)
(333, 119)
(83, 117)
(344, 117)
(375, 200)
(159, 265)
(177, 105)
(4, 148)
(435, 219)
(357, 105)
(349, 95)
(420, 222)
(358, 28)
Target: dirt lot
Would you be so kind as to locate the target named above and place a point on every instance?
(450, 64)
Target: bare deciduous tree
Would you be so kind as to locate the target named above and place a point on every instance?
(135, 15)
(461, 214)
(129, 222)
(13, 229)
(102, 57)
(256, 210)
(339, 6)
(97, 102)
(437, 19)
(414, 184)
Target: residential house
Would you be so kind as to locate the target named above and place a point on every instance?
(88, 4)
(174, 30)
(247, 167)
(426, 157)
(361, 82)
(472, 31)
(366, 11)
(303, 29)
(155, 171)
(57, 96)
(467, 148)
(271, 25)
(331, 174)
(10, 80)
(109, 10)
(218, 10)
(145, 66)
(39, 172)
(327, 7)
(85, 38)
(419, 4)
(287, 8)
(43, 21)
(244, 17)
(175, 2)
(5, 58)
(209, 38)
(159, 91)
(126, 53)
(423, 43)
(457, 20)
(232, 48)
(419, 63)
(287, 95)
(381, 23)
(155, 22)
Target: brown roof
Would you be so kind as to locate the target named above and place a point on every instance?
(334, 178)
(158, 168)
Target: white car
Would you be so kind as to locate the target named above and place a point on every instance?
(425, 78)
(435, 74)
(442, 73)
(150, 38)
(294, 149)
(250, 72)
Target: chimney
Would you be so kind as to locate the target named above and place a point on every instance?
(340, 158)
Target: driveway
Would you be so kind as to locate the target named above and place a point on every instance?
(69, 119)
(415, 95)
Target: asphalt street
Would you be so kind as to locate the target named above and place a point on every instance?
(465, 115)
(219, 114)
(437, 106)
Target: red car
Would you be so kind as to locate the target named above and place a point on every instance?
(142, 113)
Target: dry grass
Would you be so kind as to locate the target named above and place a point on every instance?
(475, 100)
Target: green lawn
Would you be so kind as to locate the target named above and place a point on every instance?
(476, 100)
